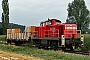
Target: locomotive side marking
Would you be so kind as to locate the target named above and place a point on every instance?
(52, 29)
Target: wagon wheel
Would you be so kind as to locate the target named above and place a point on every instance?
(8, 41)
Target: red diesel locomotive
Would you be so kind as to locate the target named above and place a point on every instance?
(55, 34)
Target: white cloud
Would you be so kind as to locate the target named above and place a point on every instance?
(31, 12)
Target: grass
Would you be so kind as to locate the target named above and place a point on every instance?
(3, 38)
(44, 54)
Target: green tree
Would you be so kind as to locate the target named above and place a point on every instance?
(1, 31)
(79, 14)
(5, 15)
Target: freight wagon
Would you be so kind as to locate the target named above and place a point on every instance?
(51, 33)
(17, 37)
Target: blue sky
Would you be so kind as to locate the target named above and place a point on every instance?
(32, 12)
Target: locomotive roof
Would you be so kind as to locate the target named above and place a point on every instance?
(51, 20)
(68, 24)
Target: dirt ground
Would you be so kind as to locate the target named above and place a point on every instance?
(13, 56)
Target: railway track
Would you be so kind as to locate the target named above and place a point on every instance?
(85, 53)
(5, 43)
(78, 52)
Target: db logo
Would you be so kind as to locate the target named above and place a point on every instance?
(52, 29)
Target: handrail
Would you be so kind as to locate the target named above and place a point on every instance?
(47, 33)
(70, 32)
(51, 33)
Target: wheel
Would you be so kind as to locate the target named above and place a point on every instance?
(71, 48)
(39, 46)
(47, 48)
(55, 47)
(9, 41)
(63, 48)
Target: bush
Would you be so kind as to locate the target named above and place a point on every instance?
(3, 38)
(86, 43)
(1, 31)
